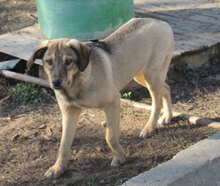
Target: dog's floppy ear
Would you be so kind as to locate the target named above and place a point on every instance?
(82, 52)
(38, 53)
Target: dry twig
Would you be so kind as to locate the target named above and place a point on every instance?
(192, 119)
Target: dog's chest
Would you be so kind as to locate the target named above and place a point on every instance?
(75, 104)
(64, 98)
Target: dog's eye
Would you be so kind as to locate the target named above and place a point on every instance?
(68, 62)
(49, 62)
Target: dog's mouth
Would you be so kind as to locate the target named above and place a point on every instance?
(57, 87)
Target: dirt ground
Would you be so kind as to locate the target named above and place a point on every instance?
(16, 14)
(30, 132)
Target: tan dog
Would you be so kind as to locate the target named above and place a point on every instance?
(91, 75)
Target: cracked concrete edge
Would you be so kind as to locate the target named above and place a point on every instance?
(196, 165)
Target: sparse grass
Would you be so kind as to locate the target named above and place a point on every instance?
(81, 180)
(126, 94)
(24, 92)
(133, 94)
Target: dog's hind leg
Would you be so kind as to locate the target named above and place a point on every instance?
(112, 132)
(166, 97)
(154, 85)
(167, 106)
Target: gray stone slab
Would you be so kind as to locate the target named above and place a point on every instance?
(6, 65)
(197, 165)
(195, 22)
(21, 43)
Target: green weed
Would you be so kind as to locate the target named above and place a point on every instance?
(24, 92)
(136, 95)
(126, 94)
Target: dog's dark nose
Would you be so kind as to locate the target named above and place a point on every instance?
(56, 83)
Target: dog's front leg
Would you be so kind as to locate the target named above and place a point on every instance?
(70, 117)
(112, 132)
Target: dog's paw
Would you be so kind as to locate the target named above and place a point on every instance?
(146, 133)
(163, 121)
(104, 124)
(116, 162)
(54, 172)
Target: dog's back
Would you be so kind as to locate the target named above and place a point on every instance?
(139, 28)
(142, 42)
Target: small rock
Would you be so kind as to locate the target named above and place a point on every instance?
(48, 138)
(104, 124)
(49, 131)
(102, 181)
(42, 126)
(99, 149)
(190, 108)
(15, 137)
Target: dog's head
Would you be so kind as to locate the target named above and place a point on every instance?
(62, 60)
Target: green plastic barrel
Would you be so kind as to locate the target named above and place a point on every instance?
(82, 19)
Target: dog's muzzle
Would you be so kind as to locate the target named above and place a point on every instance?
(57, 83)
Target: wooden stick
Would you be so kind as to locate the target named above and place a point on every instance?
(25, 78)
(192, 119)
